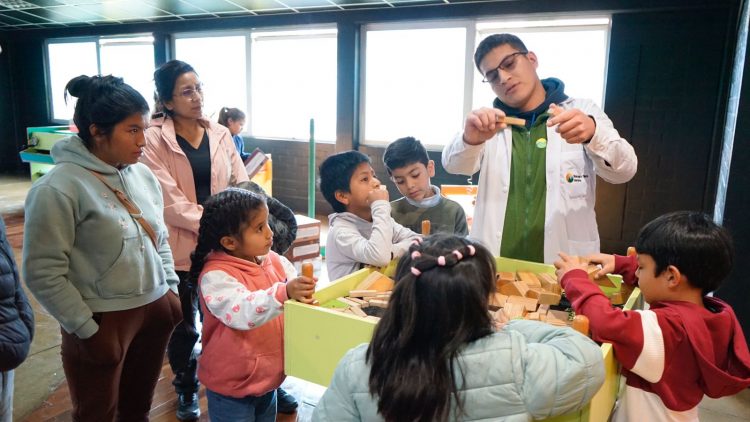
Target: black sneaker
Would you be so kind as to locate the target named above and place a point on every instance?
(187, 407)
(285, 402)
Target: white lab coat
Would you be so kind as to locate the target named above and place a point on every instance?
(570, 219)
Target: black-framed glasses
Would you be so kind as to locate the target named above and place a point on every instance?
(189, 93)
(507, 63)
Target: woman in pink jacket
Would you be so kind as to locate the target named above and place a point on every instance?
(193, 158)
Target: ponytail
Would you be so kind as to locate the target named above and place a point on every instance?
(227, 114)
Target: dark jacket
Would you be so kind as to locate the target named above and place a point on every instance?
(16, 316)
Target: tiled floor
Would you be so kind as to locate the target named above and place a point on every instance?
(42, 372)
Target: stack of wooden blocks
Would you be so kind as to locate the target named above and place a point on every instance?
(375, 290)
(307, 243)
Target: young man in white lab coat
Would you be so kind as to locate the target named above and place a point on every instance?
(537, 186)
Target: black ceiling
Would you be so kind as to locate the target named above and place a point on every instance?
(31, 14)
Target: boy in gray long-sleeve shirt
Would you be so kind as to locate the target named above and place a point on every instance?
(361, 230)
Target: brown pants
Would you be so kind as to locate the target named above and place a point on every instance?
(112, 374)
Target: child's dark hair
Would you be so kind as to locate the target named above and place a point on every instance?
(403, 152)
(165, 78)
(280, 219)
(224, 214)
(701, 249)
(336, 174)
(103, 101)
(495, 40)
(439, 305)
(230, 113)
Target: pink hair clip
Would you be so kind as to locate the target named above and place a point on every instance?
(415, 255)
(472, 250)
(459, 255)
(415, 271)
(441, 261)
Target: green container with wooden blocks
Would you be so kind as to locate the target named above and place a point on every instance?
(317, 337)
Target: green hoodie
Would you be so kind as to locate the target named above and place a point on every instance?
(83, 252)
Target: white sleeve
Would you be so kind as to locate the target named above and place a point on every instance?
(614, 158)
(461, 158)
(237, 307)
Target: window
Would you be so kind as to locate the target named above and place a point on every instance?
(220, 63)
(131, 58)
(413, 84)
(422, 81)
(280, 79)
(293, 78)
(63, 67)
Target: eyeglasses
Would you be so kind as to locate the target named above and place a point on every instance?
(507, 64)
(189, 93)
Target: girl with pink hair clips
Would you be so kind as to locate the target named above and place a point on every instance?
(437, 354)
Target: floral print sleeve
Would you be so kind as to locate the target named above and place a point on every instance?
(236, 306)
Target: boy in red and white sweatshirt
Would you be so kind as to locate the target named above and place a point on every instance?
(686, 344)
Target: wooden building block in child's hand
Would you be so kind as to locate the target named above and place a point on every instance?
(376, 281)
(425, 227)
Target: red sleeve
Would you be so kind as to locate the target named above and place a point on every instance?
(626, 266)
(608, 324)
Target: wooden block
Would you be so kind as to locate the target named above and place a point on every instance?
(515, 288)
(498, 300)
(346, 301)
(379, 303)
(358, 301)
(616, 298)
(604, 281)
(581, 324)
(425, 227)
(356, 310)
(561, 315)
(534, 316)
(372, 318)
(376, 281)
(534, 292)
(543, 309)
(514, 310)
(362, 293)
(529, 278)
(506, 276)
(528, 303)
(549, 282)
(549, 298)
(556, 322)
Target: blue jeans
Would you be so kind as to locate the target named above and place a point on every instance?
(223, 408)
(6, 396)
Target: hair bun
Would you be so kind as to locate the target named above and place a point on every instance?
(79, 86)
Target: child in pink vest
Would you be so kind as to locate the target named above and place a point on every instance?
(242, 288)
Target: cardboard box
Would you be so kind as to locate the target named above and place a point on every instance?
(317, 337)
(307, 228)
(299, 251)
